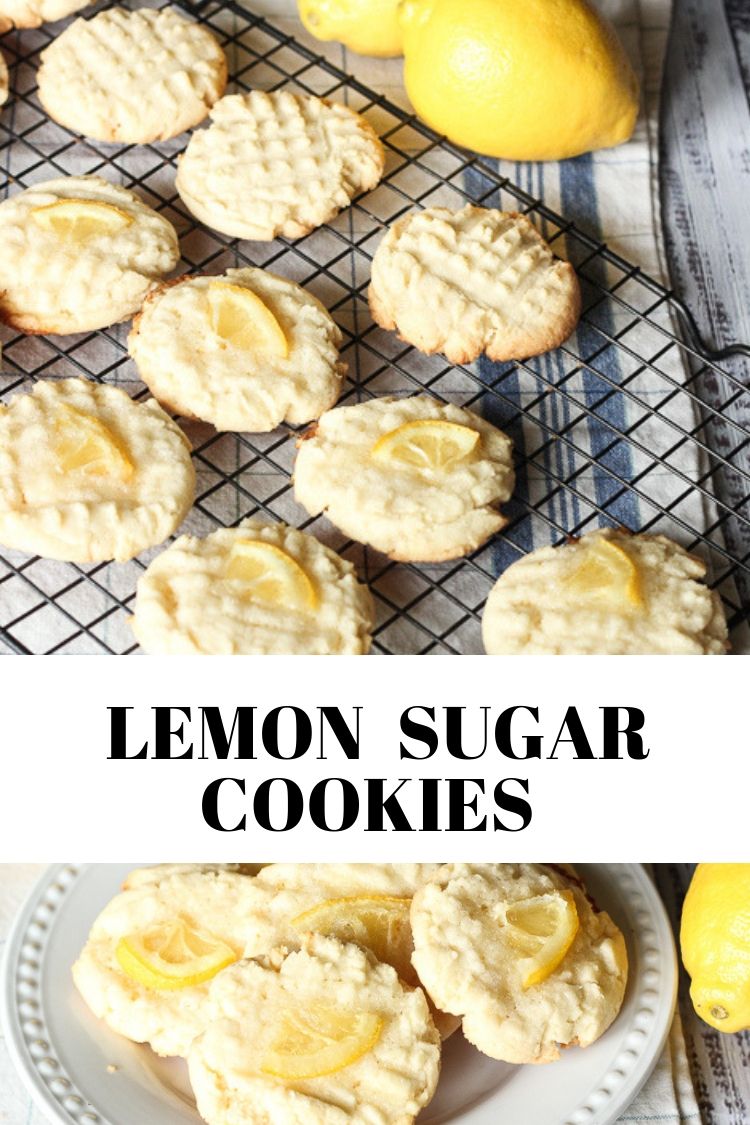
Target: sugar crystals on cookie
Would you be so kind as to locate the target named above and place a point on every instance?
(416, 478)
(518, 950)
(132, 76)
(321, 1034)
(472, 281)
(88, 475)
(608, 592)
(277, 163)
(246, 350)
(80, 253)
(257, 588)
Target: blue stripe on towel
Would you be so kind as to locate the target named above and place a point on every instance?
(578, 200)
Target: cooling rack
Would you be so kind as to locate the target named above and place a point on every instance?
(631, 422)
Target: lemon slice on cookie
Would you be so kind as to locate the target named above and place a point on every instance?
(270, 575)
(426, 444)
(319, 1040)
(606, 576)
(79, 220)
(376, 922)
(83, 443)
(542, 930)
(173, 955)
(239, 316)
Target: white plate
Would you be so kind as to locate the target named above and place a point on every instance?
(78, 1071)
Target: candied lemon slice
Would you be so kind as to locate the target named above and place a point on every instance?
(239, 316)
(428, 444)
(79, 220)
(376, 922)
(542, 930)
(173, 955)
(320, 1040)
(606, 576)
(83, 443)
(270, 575)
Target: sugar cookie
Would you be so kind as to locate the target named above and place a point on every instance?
(365, 903)
(416, 478)
(79, 253)
(472, 281)
(140, 966)
(277, 163)
(324, 1035)
(132, 76)
(610, 593)
(244, 351)
(482, 933)
(33, 13)
(87, 474)
(257, 588)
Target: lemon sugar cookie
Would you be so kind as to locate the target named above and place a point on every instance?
(3, 81)
(80, 253)
(277, 163)
(416, 478)
(364, 903)
(151, 954)
(87, 474)
(472, 281)
(33, 13)
(324, 1035)
(257, 588)
(519, 952)
(132, 76)
(244, 351)
(609, 593)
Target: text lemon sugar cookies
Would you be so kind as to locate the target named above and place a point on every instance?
(87, 474)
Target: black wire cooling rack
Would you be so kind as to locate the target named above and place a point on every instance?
(629, 423)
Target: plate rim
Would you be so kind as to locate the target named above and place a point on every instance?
(34, 1057)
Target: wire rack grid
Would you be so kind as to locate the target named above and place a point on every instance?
(630, 422)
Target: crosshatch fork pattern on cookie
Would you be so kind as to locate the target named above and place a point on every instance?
(627, 423)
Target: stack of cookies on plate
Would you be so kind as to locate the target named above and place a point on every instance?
(89, 475)
(323, 992)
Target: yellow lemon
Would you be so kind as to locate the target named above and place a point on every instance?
(79, 220)
(519, 79)
(83, 443)
(542, 930)
(379, 923)
(241, 318)
(173, 955)
(606, 577)
(370, 27)
(715, 941)
(320, 1040)
(270, 575)
(428, 444)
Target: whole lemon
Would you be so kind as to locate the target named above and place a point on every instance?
(518, 79)
(369, 27)
(715, 941)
